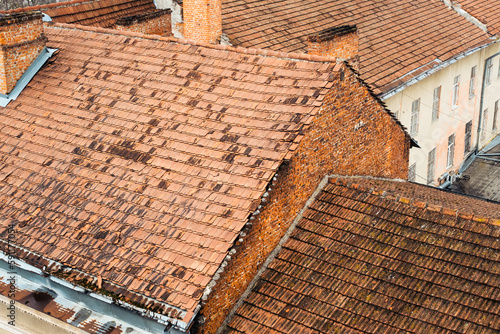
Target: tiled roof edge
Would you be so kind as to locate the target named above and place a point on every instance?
(377, 98)
(272, 255)
(257, 52)
(45, 266)
(344, 181)
(419, 74)
(49, 6)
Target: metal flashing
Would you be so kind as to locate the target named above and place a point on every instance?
(27, 76)
(46, 18)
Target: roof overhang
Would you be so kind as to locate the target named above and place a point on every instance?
(428, 69)
(73, 297)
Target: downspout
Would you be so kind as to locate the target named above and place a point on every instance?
(481, 103)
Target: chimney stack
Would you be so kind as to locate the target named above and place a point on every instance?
(340, 42)
(21, 42)
(203, 20)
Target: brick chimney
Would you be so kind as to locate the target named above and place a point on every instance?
(203, 20)
(340, 42)
(21, 42)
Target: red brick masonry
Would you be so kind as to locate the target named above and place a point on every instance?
(21, 41)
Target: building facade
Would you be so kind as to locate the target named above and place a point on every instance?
(450, 113)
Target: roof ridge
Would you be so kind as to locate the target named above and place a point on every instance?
(345, 181)
(238, 49)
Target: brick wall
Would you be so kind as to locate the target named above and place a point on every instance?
(340, 42)
(21, 42)
(352, 135)
(152, 23)
(202, 20)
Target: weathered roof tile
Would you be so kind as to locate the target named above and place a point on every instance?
(362, 261)
(396, 38)
(135, 165)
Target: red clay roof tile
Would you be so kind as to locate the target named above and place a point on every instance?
(387, 30)
(485, 11)
(97, 13)
(362, 260)
(114, 166)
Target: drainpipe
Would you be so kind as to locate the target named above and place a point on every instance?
(483, 86)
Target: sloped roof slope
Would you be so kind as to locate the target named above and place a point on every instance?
(97, 13)
(137, 160)
(486, 11)
(360, 263)
(398, 39)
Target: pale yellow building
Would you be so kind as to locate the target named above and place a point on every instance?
(450, 112)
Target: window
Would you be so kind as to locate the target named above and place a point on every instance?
(495, 115)
(487, 75)
(435, 103)
(485, 123)
(451, 151)
(412, 172)
(431, 166)
(468, 134)
(472, 83)
(456, 85)
(415, 110)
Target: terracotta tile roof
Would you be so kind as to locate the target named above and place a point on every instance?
(360, 263)
(486, 11)
(397, 38)
(139, 160)
(419, 193)
(97, 13)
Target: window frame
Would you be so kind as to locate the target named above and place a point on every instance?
(488, 68)
(431, 166)
(484, 123)
(415, 115)
(450, 152)
(468, 137)
(412, 172)
(455, 92)
(472, 82)
(436, 103)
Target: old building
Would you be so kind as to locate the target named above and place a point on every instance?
(373, 255)
(434, 63)
(145, 179)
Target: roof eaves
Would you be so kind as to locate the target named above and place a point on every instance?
(53, 269)
(27, 76)
(424, 71)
